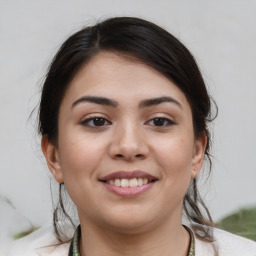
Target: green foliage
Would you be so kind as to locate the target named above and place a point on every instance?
(25, 233)
(242, 223)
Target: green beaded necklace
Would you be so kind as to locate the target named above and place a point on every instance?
(74, 246)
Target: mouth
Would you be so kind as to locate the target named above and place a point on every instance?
(128, 180)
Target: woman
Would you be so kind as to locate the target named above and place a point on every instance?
(123, 118)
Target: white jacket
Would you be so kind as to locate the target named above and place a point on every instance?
(228, 245)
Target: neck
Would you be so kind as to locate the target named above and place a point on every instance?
(170, 238)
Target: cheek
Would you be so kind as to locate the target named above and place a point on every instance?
(79, 157)
(175, 154)
(175, 158)
(78, 161)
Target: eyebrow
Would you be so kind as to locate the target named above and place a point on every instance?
(97, 100)
(112, 103)
(159, 100)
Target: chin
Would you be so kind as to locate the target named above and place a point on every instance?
(130, 227)
(130, 221)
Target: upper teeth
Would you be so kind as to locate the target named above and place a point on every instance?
(134, 182)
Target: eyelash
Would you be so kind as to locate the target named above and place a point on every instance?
(90, 122)
(165, 121)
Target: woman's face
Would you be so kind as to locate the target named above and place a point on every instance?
(126, 148)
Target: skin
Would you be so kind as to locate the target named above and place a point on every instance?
(129, 138)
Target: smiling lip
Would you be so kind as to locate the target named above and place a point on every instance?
(124, 175)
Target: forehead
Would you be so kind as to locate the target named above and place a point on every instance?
(121, 77)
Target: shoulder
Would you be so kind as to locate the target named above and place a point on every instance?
(231, 244)
(41, 242)
(227, 244)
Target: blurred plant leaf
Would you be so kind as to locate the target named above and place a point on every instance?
(242, 223)
(22, 234)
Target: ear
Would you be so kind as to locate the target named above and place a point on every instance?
(198, 155)
(51, 155)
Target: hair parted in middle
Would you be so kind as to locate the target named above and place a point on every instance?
(148, 43)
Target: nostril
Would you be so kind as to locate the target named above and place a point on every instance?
(135, 156)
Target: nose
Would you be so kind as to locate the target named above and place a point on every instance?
(129, 143)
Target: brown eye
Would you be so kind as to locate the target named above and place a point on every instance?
(160, 122)
(95, 122)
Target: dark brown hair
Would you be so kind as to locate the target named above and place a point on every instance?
(151, 45)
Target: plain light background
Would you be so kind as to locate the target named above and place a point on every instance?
(222, 36)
